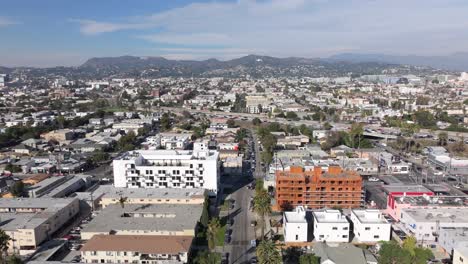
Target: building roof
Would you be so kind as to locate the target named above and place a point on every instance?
(443, 215)
(329, 216)
(406, 188)
(370, 216)
(109, 191)
(342, 254)
(150, 217)
(142, 244)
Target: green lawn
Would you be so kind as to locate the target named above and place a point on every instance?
(220, 236)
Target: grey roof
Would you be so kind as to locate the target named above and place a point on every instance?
(342, 254)
(169, 217)
(109, 191)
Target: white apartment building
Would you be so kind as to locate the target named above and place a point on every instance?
(182, 169)
(295, 225)
(370, 226)
(330, 226)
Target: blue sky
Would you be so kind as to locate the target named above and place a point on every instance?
(67, 32)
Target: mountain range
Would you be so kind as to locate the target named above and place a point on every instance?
(455, 62)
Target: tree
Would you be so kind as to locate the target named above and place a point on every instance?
(241, 134)
(231, 123)
(291, 255)
(206, 257)
(211, 232)
(99, 156)
(205, 213)
(12, 168)
(262, 206)
(309, 259)
(459, 146)
(122, 201)
(267, 253)
(355, 134)
(266, 156)
(291, 115)
(17, 189)
(392, 253)
(165, 122)
(256, 121)
(4, 243)
(14, 259)
(443, 137)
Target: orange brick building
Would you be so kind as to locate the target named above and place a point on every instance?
(317, 189)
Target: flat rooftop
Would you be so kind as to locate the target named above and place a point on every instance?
(162, 154)
(295, 217)
(369, 216)
(109, 191)
(47, 204)
(146, 217)
(443, 215)
(139, 243)
(405, 188)
(329, 216)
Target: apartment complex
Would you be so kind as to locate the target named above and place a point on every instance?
(145, 219)
(107, 195)
(330, 226)
(137, 249)
(182, 169)
(370, 226)
(31, 221)
(317, 188)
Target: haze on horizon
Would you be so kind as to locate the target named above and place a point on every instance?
(55, 32)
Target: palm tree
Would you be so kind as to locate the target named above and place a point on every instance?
(4, 243)
(212, 230)
(206, 257)
(267, 253)
(122, 201)
(262, 206)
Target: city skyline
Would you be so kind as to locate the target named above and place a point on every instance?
(60, 33)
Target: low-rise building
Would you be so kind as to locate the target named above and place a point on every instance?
(295, 225)
(370, 226)
(330, 226)
(145, 219)
(137, 249)
(31, 221)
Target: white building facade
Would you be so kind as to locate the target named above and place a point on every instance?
(182, 169)
(370, 226)
(295, 225)
(330, 226)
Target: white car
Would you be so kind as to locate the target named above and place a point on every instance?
(374, 179)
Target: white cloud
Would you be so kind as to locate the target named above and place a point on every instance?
(4, 21)
(302, 27)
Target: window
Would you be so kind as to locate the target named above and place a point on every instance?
(376, 236)
(461, 259)
(345, 236)
(367, 228)
(345, 228)
(334, 228)
(297, 237)
(321, 236)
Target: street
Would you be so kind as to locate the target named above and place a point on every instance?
(240, 249)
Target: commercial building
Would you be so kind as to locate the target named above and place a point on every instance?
(317, 188)
(137, 249)
(31, 221)
(182, 169)
(451, 165)
(295, 225)
(450, 237)
(425, 223)
(330, 226)
(60, 135)
(370, 226)
(405, 196)
(145, 219)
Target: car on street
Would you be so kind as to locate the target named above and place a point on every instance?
(227, 239)
(225, 259)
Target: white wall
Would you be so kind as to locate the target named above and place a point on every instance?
(370, 232)
(295, 230)
(341, 234)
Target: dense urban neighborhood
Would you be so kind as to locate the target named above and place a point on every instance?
(252, 160)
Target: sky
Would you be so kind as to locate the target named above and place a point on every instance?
(68, 32)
